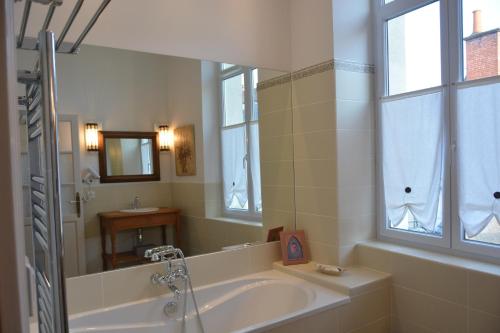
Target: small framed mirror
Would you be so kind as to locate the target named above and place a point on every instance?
(128, 157)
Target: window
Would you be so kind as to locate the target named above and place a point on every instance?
(409, 68)
(439, 116)
(240, 142)
(480, 31)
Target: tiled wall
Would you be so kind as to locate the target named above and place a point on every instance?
(276, 153)
(433, 293)
(203, 230)
(355, 157)
(334, 157)
(110, 288)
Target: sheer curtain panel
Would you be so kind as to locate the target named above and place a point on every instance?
(412, 157)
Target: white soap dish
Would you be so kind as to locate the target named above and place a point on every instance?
(330, 270)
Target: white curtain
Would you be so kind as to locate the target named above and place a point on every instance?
(412, 157)
(478, 154)
(255, 166)
(234, 165)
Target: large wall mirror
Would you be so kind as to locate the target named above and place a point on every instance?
(226, 181)
(128, 157)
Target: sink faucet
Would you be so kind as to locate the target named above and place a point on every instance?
(136, 202)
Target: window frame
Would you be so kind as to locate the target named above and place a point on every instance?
(251, 215)
(452, 63)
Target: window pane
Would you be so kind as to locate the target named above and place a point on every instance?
(414, 50)
(255, 104)
(234, 100)
(226, 66)
(388, 1)
(490, 234)
(481, 33)
(234, 168)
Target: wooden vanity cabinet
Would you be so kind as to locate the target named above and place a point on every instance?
(113, 222)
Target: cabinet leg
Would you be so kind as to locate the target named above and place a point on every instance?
(103, 248)
(178, 232)
(164, 234)
(113, 249)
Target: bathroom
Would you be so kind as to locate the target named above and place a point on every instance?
(190, 148)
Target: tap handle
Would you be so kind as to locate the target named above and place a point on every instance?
(160, 252)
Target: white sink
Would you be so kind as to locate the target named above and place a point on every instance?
(139, 210)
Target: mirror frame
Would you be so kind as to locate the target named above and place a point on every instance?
(103, 135)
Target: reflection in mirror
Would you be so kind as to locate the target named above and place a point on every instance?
(129, 156)
(237, 179)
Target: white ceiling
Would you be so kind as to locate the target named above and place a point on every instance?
(253, 32)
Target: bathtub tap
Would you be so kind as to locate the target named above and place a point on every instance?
(174, 272)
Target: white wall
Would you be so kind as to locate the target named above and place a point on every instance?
(352, 26)
(184, 105)
(255, 32)
(311, 32)
(121, 90)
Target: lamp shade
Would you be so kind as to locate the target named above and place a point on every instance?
(91, 136)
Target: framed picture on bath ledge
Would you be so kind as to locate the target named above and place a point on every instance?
(294, 249)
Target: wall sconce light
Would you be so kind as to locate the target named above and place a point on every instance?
(91, 136)
(166, 138)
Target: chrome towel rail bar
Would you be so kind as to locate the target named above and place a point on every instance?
(61, 46)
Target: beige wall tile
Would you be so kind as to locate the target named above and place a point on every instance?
(379, 326)
(314, 117)
(277, 173)
(428, 311)
(276, 148)
(355, 171)
(277, 123)
(324, 253)
(398, 326)
(315, 145)
(482, 322)
(278, 198)
(316, 173)
(374, 258)
(347, 255)
(355, 201)
(316, 200)
(365, 309)
(274, 218)
(262, 256)
(275, 98)
(188, 192)
(84, 293)
(318, 228)
(484, 292)
(439, 280)
(130, 284)
(312, 89)
(356, 229)
(228, 264)
(323, 322)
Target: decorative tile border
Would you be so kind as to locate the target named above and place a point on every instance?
(282, 79)
(329, 65)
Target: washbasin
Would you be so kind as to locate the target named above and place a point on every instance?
(139, 210)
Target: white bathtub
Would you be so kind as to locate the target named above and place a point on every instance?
(252, 303)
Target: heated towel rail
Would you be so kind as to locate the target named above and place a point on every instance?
(40, 102)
